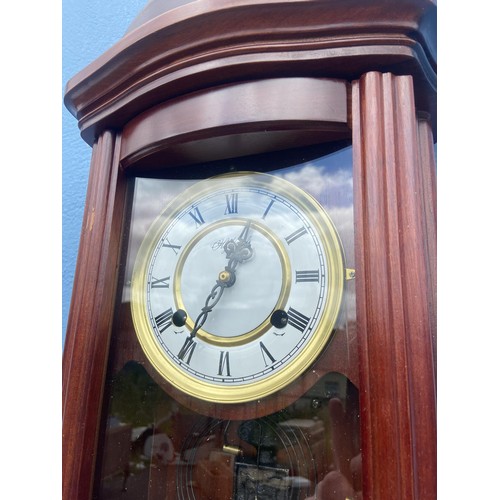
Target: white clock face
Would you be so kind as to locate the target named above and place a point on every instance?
(237, 286)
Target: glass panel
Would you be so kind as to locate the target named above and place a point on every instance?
(156, 448)
(156, 443)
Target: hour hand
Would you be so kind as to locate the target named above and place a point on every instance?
(246, 230)
(239, 250)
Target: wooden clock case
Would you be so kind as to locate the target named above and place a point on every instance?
(204, 81)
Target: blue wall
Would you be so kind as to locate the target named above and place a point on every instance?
(90, 27)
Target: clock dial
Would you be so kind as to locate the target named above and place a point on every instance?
(237, 287)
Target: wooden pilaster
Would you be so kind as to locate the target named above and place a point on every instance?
(395, 298)
(88, 333)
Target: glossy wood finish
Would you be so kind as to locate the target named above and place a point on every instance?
(394, 290)
(429, 193)
(265, 115)
(90, 318)
(205, 43)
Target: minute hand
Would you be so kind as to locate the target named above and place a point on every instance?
(210, 303)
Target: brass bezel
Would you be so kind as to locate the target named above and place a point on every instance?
(334, 262)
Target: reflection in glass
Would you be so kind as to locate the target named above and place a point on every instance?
(156, 448)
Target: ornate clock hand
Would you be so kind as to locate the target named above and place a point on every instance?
(236, 252)
(239, 250)
(244, 234)
(210, 303)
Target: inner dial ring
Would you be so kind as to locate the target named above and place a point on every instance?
(270, 262)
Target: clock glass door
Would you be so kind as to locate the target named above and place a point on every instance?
(208, 293)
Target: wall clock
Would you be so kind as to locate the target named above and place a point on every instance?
(237, 287)
(202, 89)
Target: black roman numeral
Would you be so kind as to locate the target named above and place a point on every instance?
(224, 363)
(160, 283)
(197, 217)
(187, 350)
(297, 319)
(231, 204)
(307, 276)
(296, 234)
(173, 247)
(266, 355)
(164, 320)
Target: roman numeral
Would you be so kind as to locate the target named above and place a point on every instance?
(231, 204)
(160, 283)
(164, 320)
(266, 355)
(173, 247)
(297, 319)
(187, 350)
(267, 209)
(307, 276)
(296, 234)
(224, 363)
(197, 217)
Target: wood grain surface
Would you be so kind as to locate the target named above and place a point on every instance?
(237, 119)
(90, 318)
(394, 291)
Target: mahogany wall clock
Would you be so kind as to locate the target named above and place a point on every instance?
(254, 302)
